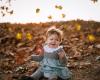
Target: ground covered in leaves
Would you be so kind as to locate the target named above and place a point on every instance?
(81, 43)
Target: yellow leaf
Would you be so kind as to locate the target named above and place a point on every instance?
(29, 36)
(91, 37)
(19, 36)
(78, 27)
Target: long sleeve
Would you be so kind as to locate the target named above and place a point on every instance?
(62, 56)
(64, 59)
(36, 57)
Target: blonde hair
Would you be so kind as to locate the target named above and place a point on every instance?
(53, 30)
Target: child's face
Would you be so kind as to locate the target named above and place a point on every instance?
(53, 41)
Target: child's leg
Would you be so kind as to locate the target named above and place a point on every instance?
(52, 79)
(37, 74)
(51, 76)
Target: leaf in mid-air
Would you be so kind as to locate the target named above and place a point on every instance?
(49, 17)
(58, 7)
(63, 15)
(37, 10)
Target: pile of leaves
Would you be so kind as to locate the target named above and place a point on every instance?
(81, 43)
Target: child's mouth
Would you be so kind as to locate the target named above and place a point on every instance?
(53, 44)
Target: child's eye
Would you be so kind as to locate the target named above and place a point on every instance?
(57, 40)
(51, 39)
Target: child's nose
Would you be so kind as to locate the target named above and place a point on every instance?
(54, 40)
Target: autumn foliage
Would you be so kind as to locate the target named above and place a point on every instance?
(81, 43)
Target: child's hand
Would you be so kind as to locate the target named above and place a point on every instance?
(39, 50)
(61, 54)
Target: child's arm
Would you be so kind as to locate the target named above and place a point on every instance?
(38, 57)
(34, 57)
(62, 56)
